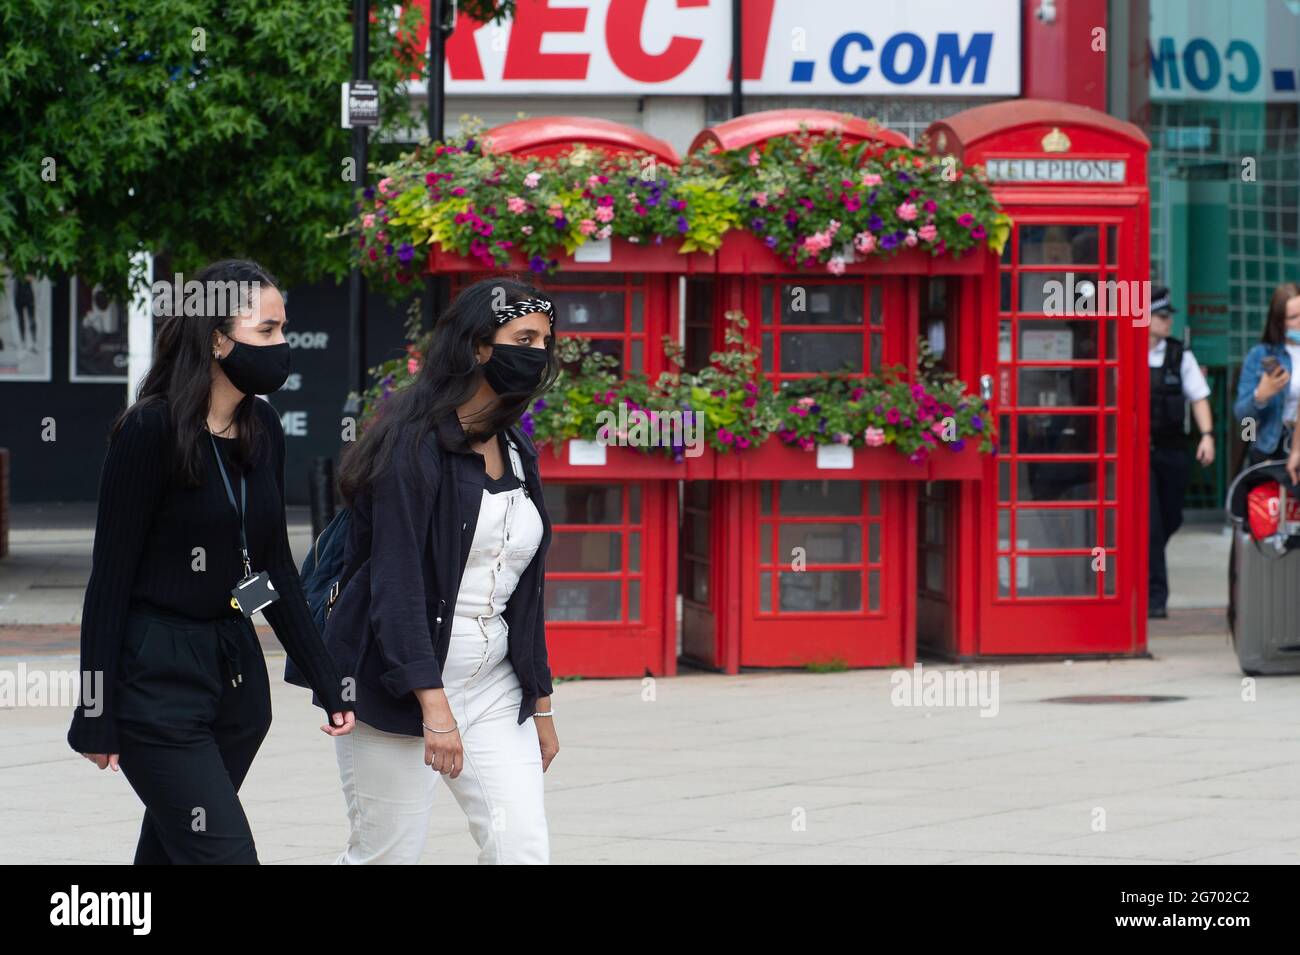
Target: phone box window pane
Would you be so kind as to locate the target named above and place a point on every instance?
(1058, 293)
(1112, 516)
(876, 306)
(1056, 434)
(873, 590)
(1053, 481)
(813, 352)
(584, 600)
(831, 498)
(634, 600)
(584, 552)
(1004, 481)
(634, 551)
(873, 498)
(1042, 340)
(823, 590)
(873, 543)
(584, 503)
(1057, 387)
(1058, 245)
(1004, 529)
(638, 307)
(1058, 528)
(767, 351)
(765, 497)
(810, 304)
(587, 312)
(1057, 576)
(1112, 245)
(821, 543)
(634, 504)
(765, 592)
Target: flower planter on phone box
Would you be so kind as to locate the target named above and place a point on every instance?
(588, 460)
(774, 460)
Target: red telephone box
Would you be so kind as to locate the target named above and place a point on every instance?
(611, 573)
(852, 603)
(1051, 545)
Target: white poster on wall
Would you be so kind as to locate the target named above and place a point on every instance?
(97, 332)
(26, 329)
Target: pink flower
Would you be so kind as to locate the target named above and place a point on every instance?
(864, 242)
(587, 226)
(755, 157)
(910, 240)
(870, 179)
(931, 205)
(928, 232)
(875, 437)
(604, 213)
(937, 428)
(593, 181)
(532, 179)
(761, 199)
(817, 241)
(633, 197)
(412, 366)
(843, 437)
(384, 185)
(806, 402)
(978, 232)
(368, 221)
(906, 211)
(516, 205)
(966, 219)
(555, 210)
(806, 443)
(526, 229)
(604, 232)
(725, 436)
(381, 236)
(835, 266)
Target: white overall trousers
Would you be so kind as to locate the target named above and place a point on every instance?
(388, 788)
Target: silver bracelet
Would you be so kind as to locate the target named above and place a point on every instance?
(540, 713)
(432, 730)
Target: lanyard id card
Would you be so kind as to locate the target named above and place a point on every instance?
(255, 591)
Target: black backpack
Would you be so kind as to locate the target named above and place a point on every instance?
(323, 579)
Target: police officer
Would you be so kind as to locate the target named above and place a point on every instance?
(1176, 379)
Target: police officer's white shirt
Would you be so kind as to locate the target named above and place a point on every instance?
(1195, 387)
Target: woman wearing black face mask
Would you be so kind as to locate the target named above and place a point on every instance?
(442, 620)
(190, 540)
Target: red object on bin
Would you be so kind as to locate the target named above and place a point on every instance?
(1262, 509)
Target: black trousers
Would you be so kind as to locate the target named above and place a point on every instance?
(1170, 468)
(187, 736)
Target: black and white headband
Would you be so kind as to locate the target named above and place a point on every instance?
(525, 307)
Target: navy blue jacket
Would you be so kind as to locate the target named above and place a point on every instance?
(390, 628)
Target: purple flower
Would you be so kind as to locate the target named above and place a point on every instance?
(537, 263)
(758, 225)
(904, 177)
(770, 242)
(539, 404)
(977, 422)
(405, 252)
(369, 192)
(388, 249)
(561, 223)
(469, 145)
(889, 242)
(958, 444)
(875, 223)
(526, 423)
(681, 224)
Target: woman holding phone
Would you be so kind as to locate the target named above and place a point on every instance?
(441, 620)
(1268, 391)
(190, 540)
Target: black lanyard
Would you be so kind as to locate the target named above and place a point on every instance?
(239, 508)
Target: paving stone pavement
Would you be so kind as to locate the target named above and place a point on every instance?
(775, 767)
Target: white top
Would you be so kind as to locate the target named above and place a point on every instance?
(507, 535)
(1293, 386)
(1195, 387)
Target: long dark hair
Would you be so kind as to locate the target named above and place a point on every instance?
(181, 375)
(449, 377)
(1275, 327)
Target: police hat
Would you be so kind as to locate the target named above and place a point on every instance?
(1160, 301)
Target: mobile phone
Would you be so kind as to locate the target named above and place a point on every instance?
(1269, 364)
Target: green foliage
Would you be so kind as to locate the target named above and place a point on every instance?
(233, 148)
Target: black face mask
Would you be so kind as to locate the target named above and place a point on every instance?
(257, 369)
(515, 369)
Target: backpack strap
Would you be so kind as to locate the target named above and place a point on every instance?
(516, 464)
(349, 571)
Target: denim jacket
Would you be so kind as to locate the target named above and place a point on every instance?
(1268, 418)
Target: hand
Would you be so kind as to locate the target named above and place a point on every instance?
(547, 739)
(1293, 465)
(341, 724)
(1205, 451)
(103, 760)
(1271, 383)
(443, 752)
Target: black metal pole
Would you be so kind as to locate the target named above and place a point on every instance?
(737, 59)
(356, 280)
(435, 95)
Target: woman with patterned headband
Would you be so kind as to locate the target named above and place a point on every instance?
(441, 619)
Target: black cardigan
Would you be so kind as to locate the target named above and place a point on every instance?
(391, 625)
(146, 531)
